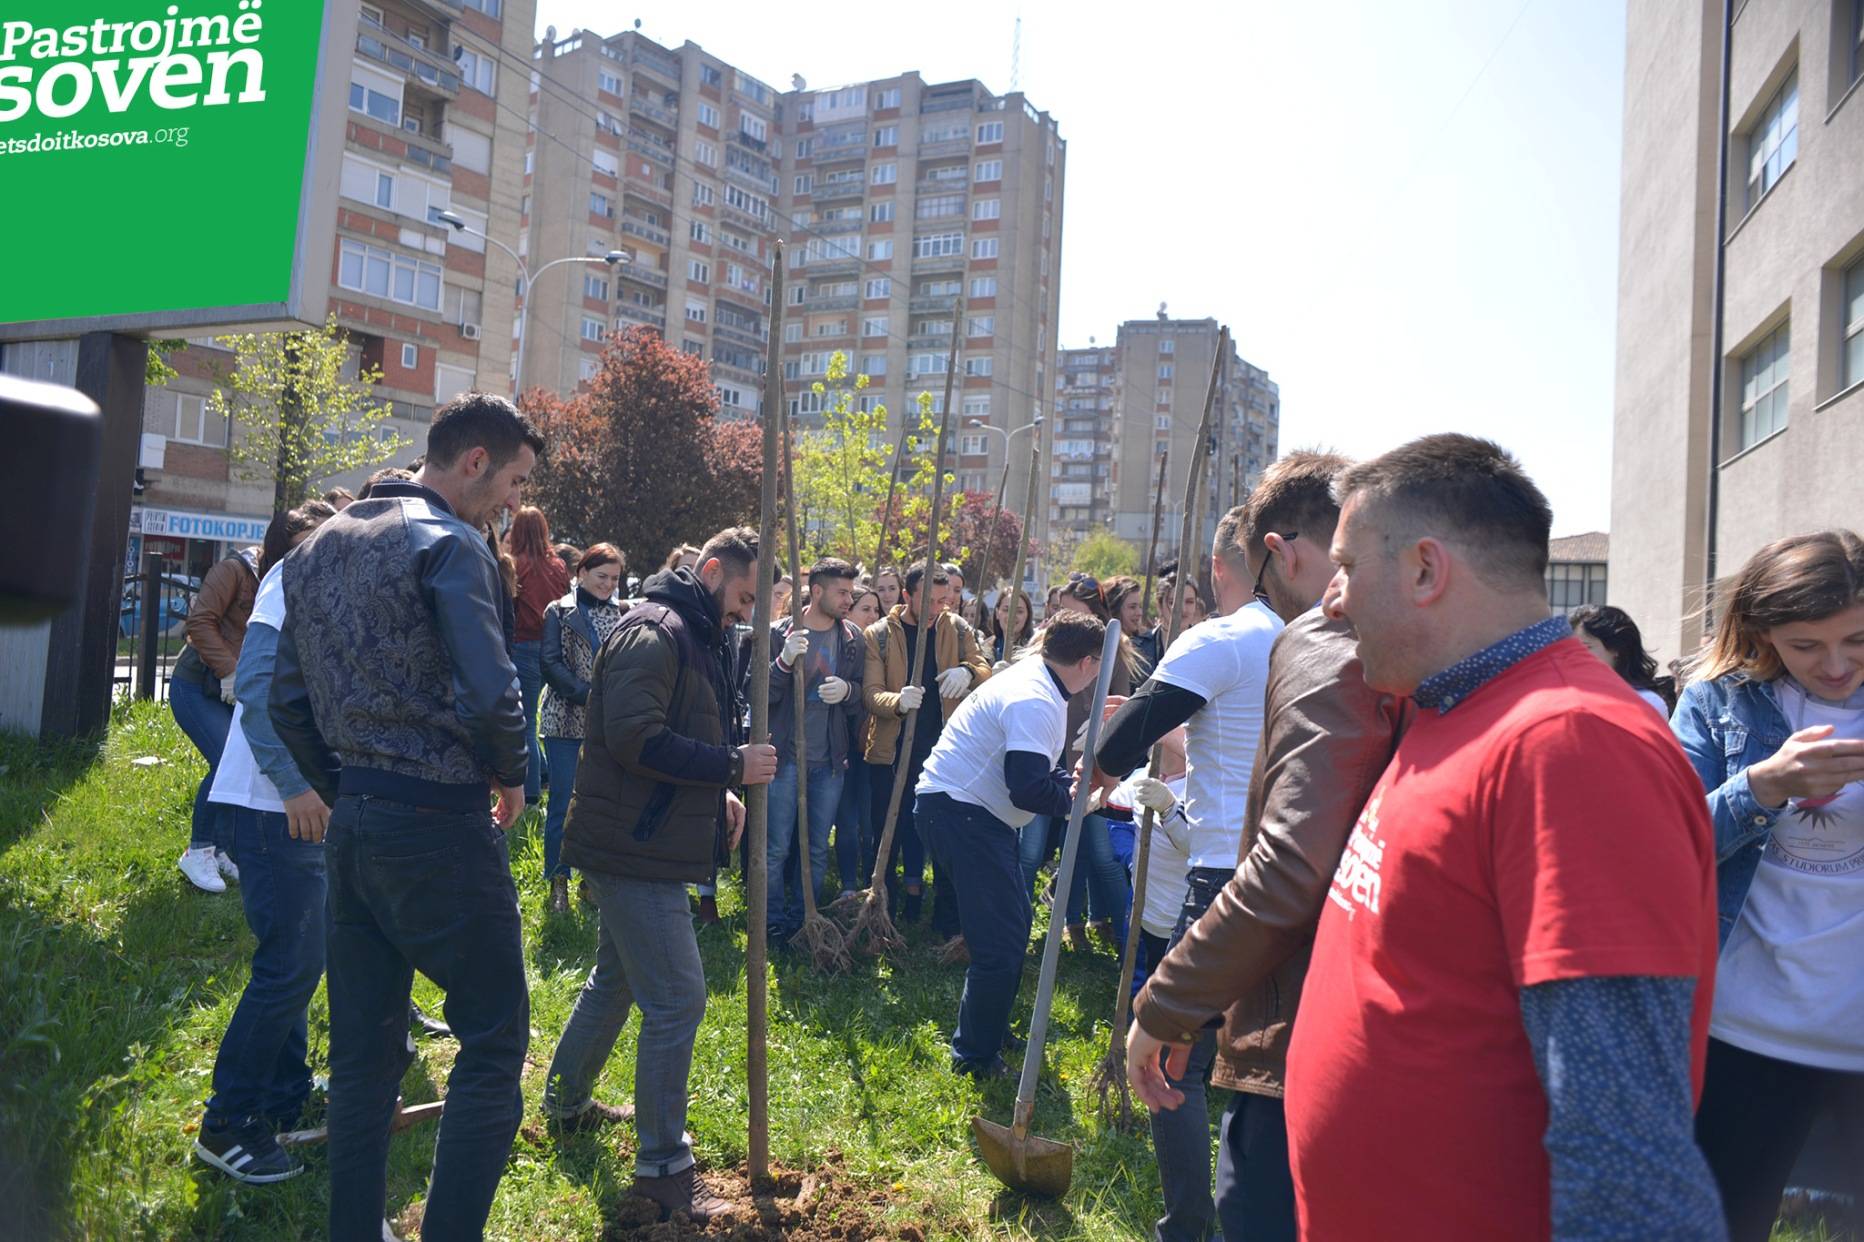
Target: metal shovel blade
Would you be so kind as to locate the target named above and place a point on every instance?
(1035, 1166)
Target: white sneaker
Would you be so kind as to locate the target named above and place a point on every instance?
(224, 864)
(198, 866)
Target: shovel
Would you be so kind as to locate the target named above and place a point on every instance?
(1021, 1160)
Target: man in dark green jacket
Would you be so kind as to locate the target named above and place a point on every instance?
(654, 811)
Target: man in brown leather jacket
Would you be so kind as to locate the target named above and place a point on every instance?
(1326, 739)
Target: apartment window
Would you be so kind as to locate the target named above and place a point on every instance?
(938, 288)
(385, 191)
(1572, 583)
(887, 136)
(792, 333)
(702, 232)
(1165, 370)
(476, 70)
(709, 75)
(885, 174)
(586, 368)
(599, 205)
(1774, 141)
(606, 163)
(932, 327)
(372, 15)
(699, 271)
(805, 183)
(832, 327)
(971, 444)
(874, 326)
(1163, 397)
(1764, 387)
(977, 366)
(708, 115)
(607, 81)
(989, 131)
(880, 287)
(491, 8)
(987, 209)
(194, 424)
(1853, 317)
(753, 126)
(591, 329)
(595, 287)
(705, 153)
(984, 248)
(695, 311)
(693, 348)
(977, 407)
(702, 195)
(880, 213)
(797, 293)
(936, 205)
(873, 365)
(410, 356)
(983, 286)
(879, 250)
(385, 274)
(1163, 422)
(933, 245)
(925, 364)
(381, 106)
(606, 122)
(989, 170)
(1168, 345)
(981, 325)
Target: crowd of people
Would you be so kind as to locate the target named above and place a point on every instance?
(1487, 929)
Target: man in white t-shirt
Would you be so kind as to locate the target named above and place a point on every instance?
(994, 769)
(1211, 681)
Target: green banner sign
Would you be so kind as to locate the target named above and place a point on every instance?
(160, 160)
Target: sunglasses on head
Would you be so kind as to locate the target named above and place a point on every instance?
(1267, 558)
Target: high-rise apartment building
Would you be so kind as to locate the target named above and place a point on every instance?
(1162, 372)
(1740, 383)
(1081, 464)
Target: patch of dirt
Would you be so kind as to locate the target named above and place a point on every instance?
(822, 1205)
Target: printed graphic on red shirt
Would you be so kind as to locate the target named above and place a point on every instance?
(1356, 879)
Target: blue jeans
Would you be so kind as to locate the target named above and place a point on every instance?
(1101, 882)
(413, 888)
(977, 854)
(854, 827)
(786, 902)
(260, 1070)
(561, 754)
(909, 849)
(1181, 1136)
(529, 657)
(1255, 1187)
(205, 719)
(646, 955)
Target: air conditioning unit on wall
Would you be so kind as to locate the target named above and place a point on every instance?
(470, 331)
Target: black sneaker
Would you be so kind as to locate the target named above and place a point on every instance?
(982, 1071)
(423, 1025)
(245, 1152)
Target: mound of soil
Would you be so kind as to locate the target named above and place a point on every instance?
(822, 1205)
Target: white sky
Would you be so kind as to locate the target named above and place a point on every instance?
(1407, 212)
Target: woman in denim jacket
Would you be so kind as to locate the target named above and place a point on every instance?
(1773, 721)
(575, 627)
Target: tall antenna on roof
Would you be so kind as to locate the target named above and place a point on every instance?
(1016, 56)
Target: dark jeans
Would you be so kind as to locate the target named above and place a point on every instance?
(1181, 1135)
(1101, 883)
(205, 719)
(854, 827)
(909, 851)
(1754, 1120)
(561, 754)
(978, 853)
(1255, 1188)
(529, 657)
(260, 1070)
(785, 902)
(429, 890)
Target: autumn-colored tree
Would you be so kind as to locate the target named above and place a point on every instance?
(977, 527)
(639, 458)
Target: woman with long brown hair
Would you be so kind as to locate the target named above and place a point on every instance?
(542, 580)
(1773, 721)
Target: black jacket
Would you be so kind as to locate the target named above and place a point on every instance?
(392, 662)
(657, 756)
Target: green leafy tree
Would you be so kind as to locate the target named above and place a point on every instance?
(1104, 555)
(156, 371)
(300, 419)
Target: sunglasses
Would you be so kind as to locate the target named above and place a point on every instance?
(1078, 581)
(1267, 559)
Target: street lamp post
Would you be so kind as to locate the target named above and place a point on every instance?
(612, 259)
(1003, 485)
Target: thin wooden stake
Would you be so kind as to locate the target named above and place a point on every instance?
(893, 485)
(1152, 545)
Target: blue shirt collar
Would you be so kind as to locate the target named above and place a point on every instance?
(1446, 689)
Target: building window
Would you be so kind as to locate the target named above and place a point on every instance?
(709, 75)
(880, 287)
(874, 326)
(376, 104)
(792, 333)
(873, 365)
(1852, 315)
(585, 369)
(880, 213)
(977, 366)
(1857, 39)
(695, 312)
(982, 325)
(934, 245)
(989, 131)
(705, 153)
(1774, 140)
(1764, 387)
(971, 444)
(925, 364)
(195, 425)
(695, 348)
(702, 195)
(986, 209)
(888, 98)
(385, 274)
(885, 174)
(753, 126)
(599, 205)
(607, 81)
(410, 356)
(1168, 345)
(595, 287)
(708, 115)
(491, 8)
(476, 70)
(702, 232)
(983, 286)
(887, 136)
(1165, 370)
(1572, 584)
(591, 329)
(879, 250)
(699, 271)
(804, 183)
(989, 170)
(984, 248)
(977, 407)
(937, 205)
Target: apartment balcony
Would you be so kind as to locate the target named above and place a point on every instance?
(836, 266)
(644, 231)
(933, 302)
(747, 142)
(743, 219)
(428, 69)
(663, 63)
(943, 185)
(945, 146)
(640, 314)
(751, 181)
(444, 10)
(644, 275)
(650, 193)
(829, 191)
(938, 263)
(640, 105)
(739, 297)
(844, 302)
(743, 336)
(638, 140)
(426, 152)
(930, 340)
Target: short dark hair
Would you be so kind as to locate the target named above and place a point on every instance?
(1464, 490)
(735, 545)
(1294, 494)
(1071, 636)
(830, 567)
(480, 420)
(916, 571)
(387, 474)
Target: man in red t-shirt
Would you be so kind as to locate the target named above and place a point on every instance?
(1504, 1022)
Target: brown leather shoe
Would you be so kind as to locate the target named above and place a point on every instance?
(1075, 936)
(594, 1117)
(682, 1192)
(560, 895)
(708, 910)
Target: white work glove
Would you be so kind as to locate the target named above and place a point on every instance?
(910, 698)
(1153, 795)
(226, 692)
(954, 681)
(833, 690)
(793, 648)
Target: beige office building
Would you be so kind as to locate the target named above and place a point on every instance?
(1773, 393)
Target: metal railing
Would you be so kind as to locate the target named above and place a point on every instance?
(158, 632)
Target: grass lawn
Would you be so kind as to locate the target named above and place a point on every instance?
(117, 978)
